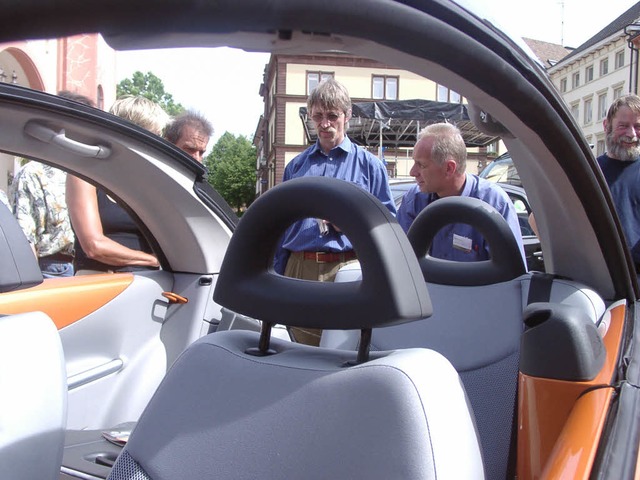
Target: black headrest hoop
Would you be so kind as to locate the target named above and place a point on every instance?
(506, 261)
(392, 289)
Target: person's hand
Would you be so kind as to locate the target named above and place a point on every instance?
(329, 224)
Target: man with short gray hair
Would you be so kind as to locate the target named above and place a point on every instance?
(440, 162)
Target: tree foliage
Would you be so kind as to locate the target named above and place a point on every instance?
(232, 170)
(151, 87)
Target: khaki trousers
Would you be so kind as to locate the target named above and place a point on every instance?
(299, 267)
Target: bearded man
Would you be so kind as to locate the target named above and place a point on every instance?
(621, 167)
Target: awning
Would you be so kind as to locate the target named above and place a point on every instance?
(396, 124)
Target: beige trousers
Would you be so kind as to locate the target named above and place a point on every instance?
(298, 267)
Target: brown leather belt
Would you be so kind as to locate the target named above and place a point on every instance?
(328, 257)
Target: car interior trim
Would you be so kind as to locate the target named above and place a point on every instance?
(68, 300)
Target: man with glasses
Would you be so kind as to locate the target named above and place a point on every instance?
(313, 249)
(621, 166)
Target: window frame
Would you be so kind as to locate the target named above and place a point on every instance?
(563, 85)
(618, 92)
(320, 74)
(587, 114)
(385, 86)
(588, 74)
(604, 66)
(575, 111)
(602, 105)
(619, 59)
(442, 88)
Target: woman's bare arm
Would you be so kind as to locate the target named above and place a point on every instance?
(82, 203)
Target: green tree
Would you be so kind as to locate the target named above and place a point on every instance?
(151, 87)
(232, 170)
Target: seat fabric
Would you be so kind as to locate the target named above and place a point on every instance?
(478, 329)
(303, 413)
(33, 403)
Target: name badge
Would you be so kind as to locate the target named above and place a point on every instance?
(462, 243)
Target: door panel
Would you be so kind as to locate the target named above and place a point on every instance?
(66, 300)
(114, 355)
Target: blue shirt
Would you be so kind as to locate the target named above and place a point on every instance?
(415, 201)
(346, 162)
(623, 179)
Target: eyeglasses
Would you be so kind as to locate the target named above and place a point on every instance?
(331, 117)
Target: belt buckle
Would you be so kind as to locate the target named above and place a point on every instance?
(318, 260)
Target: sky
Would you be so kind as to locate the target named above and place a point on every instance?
(223, 83)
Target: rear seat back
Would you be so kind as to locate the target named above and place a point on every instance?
(477, 320)
(478, 329)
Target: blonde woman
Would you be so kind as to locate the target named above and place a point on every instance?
(107, 238)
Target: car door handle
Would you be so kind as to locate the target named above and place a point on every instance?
(94, 373)
(174, 297)
(60, 139)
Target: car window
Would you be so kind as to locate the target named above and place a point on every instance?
(523, 210)
(398, 189)
(503, 171)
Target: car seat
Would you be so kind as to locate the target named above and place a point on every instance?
(239, 404)
(33, 379)
(477, 319)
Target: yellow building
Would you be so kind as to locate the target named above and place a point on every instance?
(288, 79)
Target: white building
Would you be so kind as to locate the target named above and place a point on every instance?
(597, 72)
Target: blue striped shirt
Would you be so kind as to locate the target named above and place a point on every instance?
(347, 162)
(414, 201)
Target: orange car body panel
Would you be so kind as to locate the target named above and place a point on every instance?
(67, 300)
(559, 424)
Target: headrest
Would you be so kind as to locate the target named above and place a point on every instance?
(392, 289)
(506, 261)
(18, 265)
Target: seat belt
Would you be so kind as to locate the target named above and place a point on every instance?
(540, 287)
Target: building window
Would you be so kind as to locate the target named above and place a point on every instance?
(563, 85)
(575, 80)
(602, 106)
(588, 114)
(314, 78)
(444, 94)
(604, 66)
(620, 59)
(617, 93)
(575, 111)
(100, 98)
(384, 87)
(599, 148)
(588, 74)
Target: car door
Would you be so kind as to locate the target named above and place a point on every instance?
(120, 332)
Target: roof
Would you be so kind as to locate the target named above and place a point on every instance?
(615, 27)
(548, 53)
(397, 123)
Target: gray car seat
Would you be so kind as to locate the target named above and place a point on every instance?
(477, 319)
(33, 379)
(239, 404)
(476, 323)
